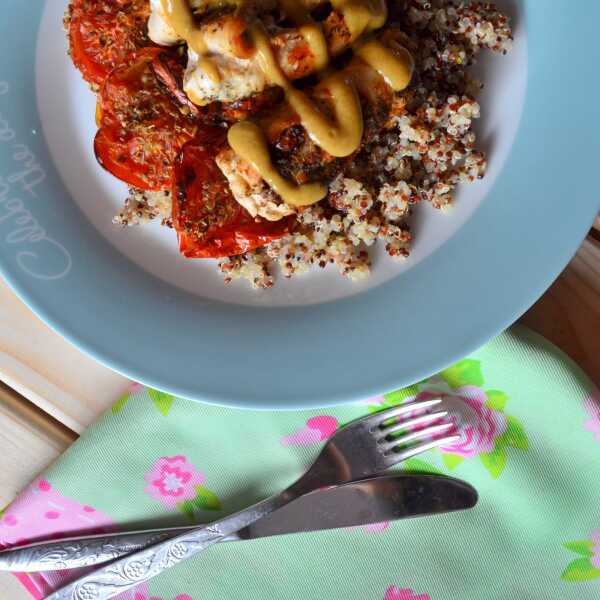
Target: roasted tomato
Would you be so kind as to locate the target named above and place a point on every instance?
(208, 220)
(169, 68)
(104, 34)
(142, 129)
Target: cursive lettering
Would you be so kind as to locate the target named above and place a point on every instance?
(32, 174)
(26, 230)
(39, 274)
(36, 253)
(6, 133)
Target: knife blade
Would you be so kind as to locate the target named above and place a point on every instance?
(365, 502)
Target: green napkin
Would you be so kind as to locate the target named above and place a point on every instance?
(530, 444)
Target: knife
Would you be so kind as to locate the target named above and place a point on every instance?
(353, 504)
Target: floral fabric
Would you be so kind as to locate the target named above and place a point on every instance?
(529, 426)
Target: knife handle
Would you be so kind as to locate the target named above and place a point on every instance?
(79, 552)
(85, 551)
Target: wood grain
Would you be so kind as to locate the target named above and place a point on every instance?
(29, 441)
(595, 232)
(75, 389)
(65, 390)
(569, 312)
(48, 370)
(11, 589)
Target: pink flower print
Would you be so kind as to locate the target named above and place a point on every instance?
(10, 521)
(374, 401)
(41, 512)
(371, 527)
(476, 424)
(172, 479)
(592, 407)
(395, 593)
(376, 527)
(595, 560)
(141, 593)
(43, 485)
(317, 430)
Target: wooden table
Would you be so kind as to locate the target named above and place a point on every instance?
(51, 392)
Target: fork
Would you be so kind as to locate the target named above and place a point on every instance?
(361, 449)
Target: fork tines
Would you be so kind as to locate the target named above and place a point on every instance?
(417, 429)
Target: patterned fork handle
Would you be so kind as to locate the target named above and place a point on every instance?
(360, 449)
(128, 572)
(87, 551)
(84, 552)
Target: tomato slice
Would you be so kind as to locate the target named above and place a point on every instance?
(104, 34)
(114, 154)
(209, 221)
(169, 69)
(142, 129)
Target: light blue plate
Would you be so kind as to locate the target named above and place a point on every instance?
(497, 263)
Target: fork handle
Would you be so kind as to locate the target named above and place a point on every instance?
(126, 573)
(80, 552)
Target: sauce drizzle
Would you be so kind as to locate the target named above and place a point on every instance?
(249, 142)
(340, 135)
(181, 18)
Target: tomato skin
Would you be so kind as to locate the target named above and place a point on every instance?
(169, 69)
(149, 132)
(112, 153)
(105, 34)
(142, 129)
(208, 220)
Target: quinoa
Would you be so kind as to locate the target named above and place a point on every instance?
(419, 151)
(252, 266)
(142, 207)
(426, 149)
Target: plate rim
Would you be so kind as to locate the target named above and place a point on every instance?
(468, 344)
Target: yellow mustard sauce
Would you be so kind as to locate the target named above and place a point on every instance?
(249, 142)
(180, 17)
(361, 16)
(341, 135)
(394, 64)
(309, 30)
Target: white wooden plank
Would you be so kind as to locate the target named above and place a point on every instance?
(11, 589)
(49, 371)
(29, 442)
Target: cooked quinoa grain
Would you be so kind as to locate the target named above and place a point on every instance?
(418, 146)
(252, 266)
(425, 150)
(142, 207)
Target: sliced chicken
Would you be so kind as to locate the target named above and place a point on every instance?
(295, 155)
(250, 189)
(227, 44)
